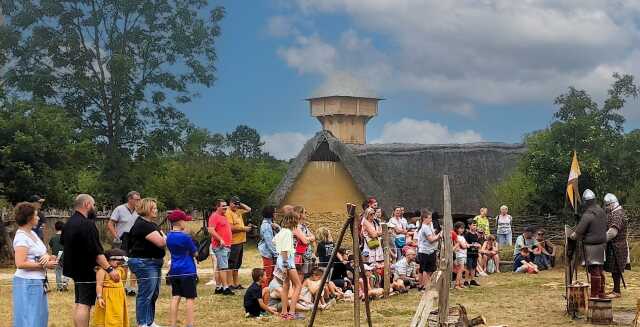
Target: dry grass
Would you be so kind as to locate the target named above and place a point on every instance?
(510, 299)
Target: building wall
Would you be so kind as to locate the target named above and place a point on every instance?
(324, 186)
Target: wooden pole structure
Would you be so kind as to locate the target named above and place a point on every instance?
(446, 262)
(327, 271)
(365, 286)
(355, 231)
(387, 261)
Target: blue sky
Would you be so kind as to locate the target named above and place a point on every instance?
(451, 70)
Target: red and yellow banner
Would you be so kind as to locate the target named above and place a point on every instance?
(573, 193)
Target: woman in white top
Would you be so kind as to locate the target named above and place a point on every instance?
(283, 242)
(372, 232)
(30, 307)
(503, 233)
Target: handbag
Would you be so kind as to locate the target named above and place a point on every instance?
(400, 242)
(204, 244)
(373, 243)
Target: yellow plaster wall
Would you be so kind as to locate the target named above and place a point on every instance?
(324, 186)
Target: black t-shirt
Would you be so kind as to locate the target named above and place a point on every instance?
(139, 246)
(81, 243)
(324, 252)
(472, 238)
(251, 297)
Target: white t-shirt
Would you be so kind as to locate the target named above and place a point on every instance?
(397, 223)
(35, 248)
(461, 252)
(123, 218)
(424, 245)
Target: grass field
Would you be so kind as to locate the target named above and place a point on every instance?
(504, 299)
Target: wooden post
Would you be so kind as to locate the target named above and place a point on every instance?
(446, 262)
(387, 260)
(356, 271)
(327, 271)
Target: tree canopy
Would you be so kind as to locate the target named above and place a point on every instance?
(607, 156)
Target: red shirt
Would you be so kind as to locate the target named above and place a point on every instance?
(454, 236)
(221, 225)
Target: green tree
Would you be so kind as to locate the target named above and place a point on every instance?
(594, 132)
(42, 152)
(120, 65)
(245, 142)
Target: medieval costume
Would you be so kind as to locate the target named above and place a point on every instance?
(617, 249)
(592, 230)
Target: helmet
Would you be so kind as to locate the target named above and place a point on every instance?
(610, 198)
(588, 195)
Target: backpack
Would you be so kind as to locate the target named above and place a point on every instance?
(204, 241)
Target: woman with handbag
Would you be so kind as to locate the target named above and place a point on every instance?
(304, 238)
(372, 232)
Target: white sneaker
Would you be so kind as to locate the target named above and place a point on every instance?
(211, 282)
(483, 274)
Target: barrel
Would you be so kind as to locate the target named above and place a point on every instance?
(600, 311)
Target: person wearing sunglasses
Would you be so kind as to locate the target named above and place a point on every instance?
(543, 252)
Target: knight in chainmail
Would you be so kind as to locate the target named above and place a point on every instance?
(592, 230)
(617, 247)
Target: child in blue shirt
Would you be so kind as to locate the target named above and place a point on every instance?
(182, 273)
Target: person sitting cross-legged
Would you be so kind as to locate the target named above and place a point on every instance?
(490, 255)
(522, 262)
(256, 298)
(405, 270)
(543, 252)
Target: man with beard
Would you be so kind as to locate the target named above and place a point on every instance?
(617, 250)
(592, 230)
(82, 253)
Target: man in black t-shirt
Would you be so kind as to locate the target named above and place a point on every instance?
(473, 239)
(82, 253)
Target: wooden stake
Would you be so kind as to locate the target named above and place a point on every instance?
(328, 270)
(387, 260)
(446, 262)
(356, 272)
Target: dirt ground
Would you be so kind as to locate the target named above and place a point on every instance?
(504, 299)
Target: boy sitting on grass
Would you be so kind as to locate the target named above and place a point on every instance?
(522, 262)
(256, 298)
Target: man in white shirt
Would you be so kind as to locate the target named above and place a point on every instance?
(122, 219)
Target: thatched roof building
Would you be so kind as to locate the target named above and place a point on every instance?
(337, 166)
(406, 174)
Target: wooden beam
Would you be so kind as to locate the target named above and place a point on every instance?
(356, 271)
(446, 261)
(328, 270)
(387, 260)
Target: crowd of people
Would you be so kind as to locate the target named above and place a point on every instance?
(294, 258)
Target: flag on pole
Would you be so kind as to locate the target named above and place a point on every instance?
(573, 193)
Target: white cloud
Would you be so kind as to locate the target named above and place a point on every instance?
(409, 130)
(474, 52)
(281, 26)
(285, 145)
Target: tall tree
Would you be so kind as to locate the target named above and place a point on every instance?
(117, 63)
(245, 142)
(595, 132)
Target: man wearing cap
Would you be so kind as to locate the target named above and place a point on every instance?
(617, 247)
(119, 225)
(525, 240)
(592, 230)
(37, 202)
(239, 236)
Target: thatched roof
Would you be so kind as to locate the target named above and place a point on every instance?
(411, 174)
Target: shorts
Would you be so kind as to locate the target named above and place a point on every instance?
(290, 262)
(472, 262)
(184, 286)
(222, 257)
(460, 261)
(235, 256)
(85, 293)
(427, 262)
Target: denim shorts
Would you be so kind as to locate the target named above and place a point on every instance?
(222, 257)
(290, 260)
